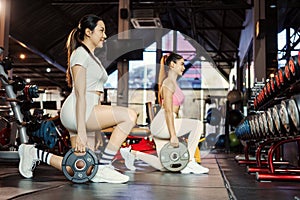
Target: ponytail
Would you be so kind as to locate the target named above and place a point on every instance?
(161, 77)
(72, 43)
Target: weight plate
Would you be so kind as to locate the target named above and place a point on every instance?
(273, 86)
(292, 67)
(256, 121)
(281, 76)
(262, 96)
(252, 127)
(255, 104)
(265, 122)
(174, 159)
(265, 89)
(270, 121)
(284, 116)
(294, 113)
(246, 129)
(287, 72)
(261, 125)
(276, 119)
(277, 81)
(80, 165)
(269, 89)
(255, 126)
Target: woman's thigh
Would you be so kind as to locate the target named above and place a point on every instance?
(183, 126)
(158, 126)
(68, 111)
(104, 116)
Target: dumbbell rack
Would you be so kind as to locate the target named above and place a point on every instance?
(260, 130)
(19, 128)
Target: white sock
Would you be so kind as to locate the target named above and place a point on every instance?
(107, 157)
(44, 156)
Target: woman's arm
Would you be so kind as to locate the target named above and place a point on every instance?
(168, 90)
(79, 76)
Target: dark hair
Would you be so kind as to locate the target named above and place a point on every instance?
(164, 68)
(172, 57)
(76, 37)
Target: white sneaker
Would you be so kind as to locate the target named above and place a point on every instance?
(107, 174)
(28, 160)
(194, 168)
(128, 157)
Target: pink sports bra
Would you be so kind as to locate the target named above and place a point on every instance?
(178, 97)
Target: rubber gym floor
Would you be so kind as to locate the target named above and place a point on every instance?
(226, 180)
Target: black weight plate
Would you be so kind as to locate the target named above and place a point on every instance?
(80, 174)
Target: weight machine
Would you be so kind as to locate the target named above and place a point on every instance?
(18, 125)
(25, 127)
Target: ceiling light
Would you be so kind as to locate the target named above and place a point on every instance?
(273, 4)
(145, 18)
(146, 22)
(22, 56)
(48, 69)
(28, 80)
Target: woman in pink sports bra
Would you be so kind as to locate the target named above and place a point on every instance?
(166, 126)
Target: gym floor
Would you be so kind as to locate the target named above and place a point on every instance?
(226, 180)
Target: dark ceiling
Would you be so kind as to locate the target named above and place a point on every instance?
(39, 28)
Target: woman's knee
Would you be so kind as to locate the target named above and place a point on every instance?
(132, 115)
(196, 124)
(128, 121)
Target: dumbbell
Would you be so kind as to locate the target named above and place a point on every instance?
(174, 158)
(283, 113)
(276, 119)
(294, 69)
(83, 167)
(243, 130)
(252, 127)
(257, 127)
(270, 122)
(262, 118)
(293, 110)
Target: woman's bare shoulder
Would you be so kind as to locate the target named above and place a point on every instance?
(169, 84)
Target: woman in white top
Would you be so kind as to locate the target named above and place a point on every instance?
(82, 114)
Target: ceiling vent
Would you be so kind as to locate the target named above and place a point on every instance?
(145, 19)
